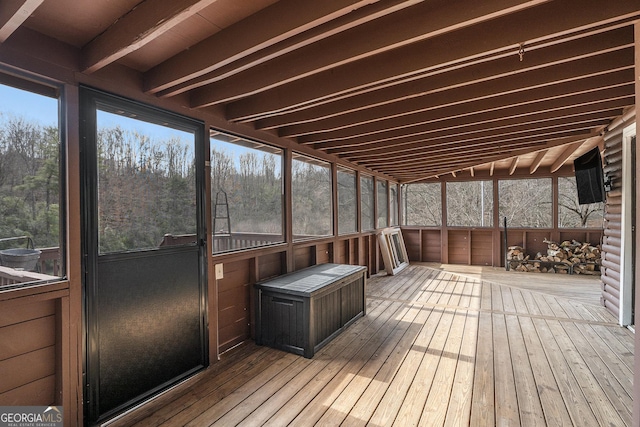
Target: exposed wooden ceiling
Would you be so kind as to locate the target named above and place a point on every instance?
(412, 89)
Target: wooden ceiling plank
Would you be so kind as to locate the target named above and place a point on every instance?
(270, 103)
(13, 13)
(537, 161)
(143, 24)
(456, 47)
(565, 76)
(271, 25)
(359, 16)
(564, 156)
(420, 22)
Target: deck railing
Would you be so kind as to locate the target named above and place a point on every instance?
(12, 276)
(227, 242)
(48, 267)
(50, 261)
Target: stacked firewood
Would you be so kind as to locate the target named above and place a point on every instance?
(566, 257)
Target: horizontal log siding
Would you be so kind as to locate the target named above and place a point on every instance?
(611, 242)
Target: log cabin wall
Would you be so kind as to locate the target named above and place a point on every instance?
(611, 241)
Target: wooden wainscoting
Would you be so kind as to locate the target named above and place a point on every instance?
(32, 354)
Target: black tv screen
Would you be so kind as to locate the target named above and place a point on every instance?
(589, 177)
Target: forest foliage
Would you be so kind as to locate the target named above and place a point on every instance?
(146, 189)
(29, 182)
(523, 202)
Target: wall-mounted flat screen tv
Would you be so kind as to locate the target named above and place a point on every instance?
(589, 177)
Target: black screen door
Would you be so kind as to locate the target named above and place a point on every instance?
(144, 245)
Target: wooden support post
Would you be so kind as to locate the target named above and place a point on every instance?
(636, 382)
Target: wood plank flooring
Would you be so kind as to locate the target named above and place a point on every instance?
(436, 348)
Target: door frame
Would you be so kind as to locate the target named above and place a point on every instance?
(90, 99)
(627, 267)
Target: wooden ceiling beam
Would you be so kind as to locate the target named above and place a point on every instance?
(497, 135)
(421, 174)
(537, 161)
(143, 24)
(445, 166)
(618, 97)
(407, 27)
(271, 25)
(342, 23)
(489, 111)
(459, 47)
(564, 156)
(14, 13)
(437, 151)
(544, 120)
(606, 87)
(446, 154)
(568, 77)
(270, 110)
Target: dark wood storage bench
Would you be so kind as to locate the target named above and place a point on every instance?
(301, 312)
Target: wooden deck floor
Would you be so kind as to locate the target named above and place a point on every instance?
(437, 349)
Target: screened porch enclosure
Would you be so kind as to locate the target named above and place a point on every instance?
(161, 158)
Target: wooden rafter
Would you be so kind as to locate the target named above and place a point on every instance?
(455, 159)
(408, 152)
(541, 85)
(471, 134)
(562, 158)
(460, 47)
(13, 13)
(273, 108)
(142, 25)
(403, 88)
(271, 25)
(404, 29)
(531, 112)
(357, 17)
(537, 161)
(514, 165)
